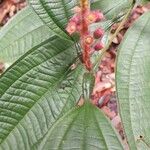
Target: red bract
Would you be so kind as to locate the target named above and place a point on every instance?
(80, 23)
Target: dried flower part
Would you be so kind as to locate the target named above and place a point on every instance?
(80, 23)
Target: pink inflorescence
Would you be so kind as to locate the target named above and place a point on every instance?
(80, 23)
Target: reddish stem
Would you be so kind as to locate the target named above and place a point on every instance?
(85, 9)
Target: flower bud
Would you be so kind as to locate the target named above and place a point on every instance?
(98, 46)
(71, 27)
(75, 19)
(90, 18)
(98, 33)
(89, 40)
(99, 16)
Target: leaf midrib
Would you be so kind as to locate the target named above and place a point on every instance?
(130, 72)
(62, 110)
(53, 85)
(100, 131)
(51, 89)
(30, 68)
(16, 24)
(53, 19)
(128, 84)
(65, 9)
(12, 43)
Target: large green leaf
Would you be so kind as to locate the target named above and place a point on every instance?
(55, 14)
(83, 128)
(35, 91)
(23, 32)
(133, 83)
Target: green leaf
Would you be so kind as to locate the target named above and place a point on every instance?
(111, 8)
(83, 128)
(133, 83)
(22, 33)
(142, 1)
(55, 14)
(36, 91)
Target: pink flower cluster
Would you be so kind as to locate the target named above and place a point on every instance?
(80, 23)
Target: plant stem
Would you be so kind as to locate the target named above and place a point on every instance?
(104, 50)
